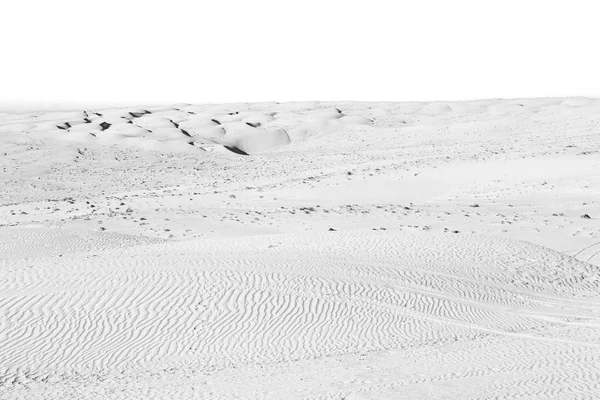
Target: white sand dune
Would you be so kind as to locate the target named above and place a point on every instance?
(31, 243)
(302, 250)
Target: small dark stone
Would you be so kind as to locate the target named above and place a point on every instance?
(586, 216)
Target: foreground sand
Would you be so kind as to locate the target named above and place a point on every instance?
(360, 250)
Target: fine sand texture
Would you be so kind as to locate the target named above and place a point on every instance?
(314, 250)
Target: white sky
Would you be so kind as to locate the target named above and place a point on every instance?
(66, 52)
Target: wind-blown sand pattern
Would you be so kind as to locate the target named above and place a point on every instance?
(302, 250)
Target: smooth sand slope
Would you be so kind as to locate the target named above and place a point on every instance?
(302, 250)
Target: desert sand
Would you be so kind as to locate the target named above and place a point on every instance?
(314, 250)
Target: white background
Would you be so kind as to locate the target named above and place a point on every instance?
(63, 53)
